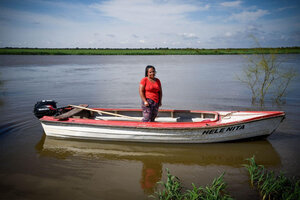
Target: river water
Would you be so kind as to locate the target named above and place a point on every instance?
(34, 166)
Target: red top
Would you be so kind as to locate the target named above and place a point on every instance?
(151, 89)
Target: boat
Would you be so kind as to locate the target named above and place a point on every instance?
(170, 126)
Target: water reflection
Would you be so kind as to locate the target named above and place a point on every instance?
(151, 174)
(153, 156)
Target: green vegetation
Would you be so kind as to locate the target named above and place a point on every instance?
(172, 190)
(270, 186)
(156, 51)
(266, 76)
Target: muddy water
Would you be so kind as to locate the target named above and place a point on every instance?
(34, 166)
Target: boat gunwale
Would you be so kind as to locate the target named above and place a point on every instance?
(165, 125)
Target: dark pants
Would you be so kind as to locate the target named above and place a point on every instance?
(150, 112)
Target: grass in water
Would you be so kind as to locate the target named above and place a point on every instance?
(172, 190)
(270, 185)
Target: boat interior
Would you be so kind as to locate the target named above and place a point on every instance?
(136, 115)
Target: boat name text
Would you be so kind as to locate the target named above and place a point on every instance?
(223, 130)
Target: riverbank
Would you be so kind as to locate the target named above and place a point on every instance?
(157, 51)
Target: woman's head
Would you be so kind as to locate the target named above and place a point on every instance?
(150, 69)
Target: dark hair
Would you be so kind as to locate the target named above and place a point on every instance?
(147, 68)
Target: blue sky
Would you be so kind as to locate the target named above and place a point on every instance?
(149, 23)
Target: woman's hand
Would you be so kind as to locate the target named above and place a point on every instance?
(146, 103)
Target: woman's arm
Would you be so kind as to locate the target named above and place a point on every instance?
(142, 94)
(160, 97)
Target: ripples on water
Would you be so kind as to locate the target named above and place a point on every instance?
(34, 166)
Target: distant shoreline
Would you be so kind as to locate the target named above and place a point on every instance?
(146, 51)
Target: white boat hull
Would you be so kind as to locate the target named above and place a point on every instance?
(223, 133)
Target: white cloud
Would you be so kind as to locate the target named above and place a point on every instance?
(286, 8)
(203, 8)
(247, 16)
(231, 3)
(111, 35)
(228, 34)
(188, 36)
(141, 11)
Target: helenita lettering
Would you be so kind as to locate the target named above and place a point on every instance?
(223, 130)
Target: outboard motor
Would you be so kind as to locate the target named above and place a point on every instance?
(45, 108)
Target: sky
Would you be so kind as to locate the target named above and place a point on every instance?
(149, 23)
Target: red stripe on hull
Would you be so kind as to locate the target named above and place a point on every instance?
(165, 125)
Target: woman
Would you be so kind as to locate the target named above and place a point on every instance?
(151, 94)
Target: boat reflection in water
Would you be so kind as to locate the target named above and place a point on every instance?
(153, 156)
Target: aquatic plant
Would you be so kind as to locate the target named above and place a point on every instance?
(215, 191)
(172, 190)
(265, 76)
(270, 185)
